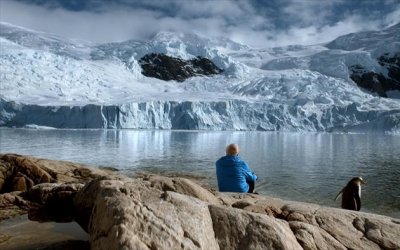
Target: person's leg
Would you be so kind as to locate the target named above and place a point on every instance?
(251, 186)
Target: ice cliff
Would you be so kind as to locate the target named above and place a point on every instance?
(222, 115)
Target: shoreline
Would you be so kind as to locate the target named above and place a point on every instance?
(200, 179)
(311, 168)
(57, 191)
(45, 128)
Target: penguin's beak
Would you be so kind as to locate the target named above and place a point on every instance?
(363, 182)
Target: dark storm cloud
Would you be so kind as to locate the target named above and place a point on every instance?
(255, 22)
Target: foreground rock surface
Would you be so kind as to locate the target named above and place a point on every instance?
(158, 212)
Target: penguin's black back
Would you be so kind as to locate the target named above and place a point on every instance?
(350, 197)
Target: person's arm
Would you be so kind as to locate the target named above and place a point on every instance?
(250, 176)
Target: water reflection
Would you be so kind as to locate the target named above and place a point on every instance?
(309, 167)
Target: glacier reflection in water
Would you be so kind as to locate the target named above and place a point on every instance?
(310, 167)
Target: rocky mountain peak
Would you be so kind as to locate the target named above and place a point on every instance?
(168, 68)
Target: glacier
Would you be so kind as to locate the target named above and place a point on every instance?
(52, 81)
(197, 115)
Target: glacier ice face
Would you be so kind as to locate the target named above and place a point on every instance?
(50, 81)
(222, 115)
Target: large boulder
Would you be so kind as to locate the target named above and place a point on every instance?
(139, 214)
(326, 227)
(20, 173)
(52, 202)
(157, 212)
(133, 215)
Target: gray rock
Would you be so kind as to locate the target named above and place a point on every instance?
(130, 215)
(157, 212)
(352, 230)
(239, 229)
(28, 182)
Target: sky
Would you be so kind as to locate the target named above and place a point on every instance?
(257, 23)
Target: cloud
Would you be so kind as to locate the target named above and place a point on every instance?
(256, 23)
(393, 17)
(313, 34)
(307, 13)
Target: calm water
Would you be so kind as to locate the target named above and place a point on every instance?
(311, 167)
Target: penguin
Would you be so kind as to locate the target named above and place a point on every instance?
(351, 194)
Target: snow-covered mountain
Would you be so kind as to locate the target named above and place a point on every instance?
(48, 80)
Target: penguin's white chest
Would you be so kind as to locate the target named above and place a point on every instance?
(359, 191)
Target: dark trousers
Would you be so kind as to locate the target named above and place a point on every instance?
(251, 186)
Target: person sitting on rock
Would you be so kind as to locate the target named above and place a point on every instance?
(233, 174)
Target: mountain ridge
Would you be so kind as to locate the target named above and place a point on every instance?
(43, 70)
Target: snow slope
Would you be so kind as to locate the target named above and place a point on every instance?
(52, 81)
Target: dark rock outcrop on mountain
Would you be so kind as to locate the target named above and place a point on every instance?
(169, 68)
(378, 82)
(392, 63)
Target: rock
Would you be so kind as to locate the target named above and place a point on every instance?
(84, 203)
(11, 205)
(19, 184)
(169, 68)
(269, 210)
(392, 63)
(53, 202)
(46, 171)
(6, 172)
(158, 212)
(132, 215)
(239, 229)
(242, 204)
(256, 206)
(347, 229)
(26, 167)
(378, 82)
(45, 192)
(183, 186)
(22, 173)
(311, 237)
(4, 238)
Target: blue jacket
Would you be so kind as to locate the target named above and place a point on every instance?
(233, 174)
